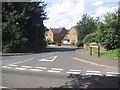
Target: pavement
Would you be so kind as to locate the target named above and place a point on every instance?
(82, 55)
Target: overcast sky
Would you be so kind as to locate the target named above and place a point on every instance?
(66, 13)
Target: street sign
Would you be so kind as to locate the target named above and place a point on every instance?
(95, 45)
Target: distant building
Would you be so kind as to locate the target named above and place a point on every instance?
(56, 34)
(61, 35)
(71, 37)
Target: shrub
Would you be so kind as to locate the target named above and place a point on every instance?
(72, 43)
(93, 37)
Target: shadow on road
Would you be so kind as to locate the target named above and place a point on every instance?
(59, 49)
(92, 81)
(86, 82)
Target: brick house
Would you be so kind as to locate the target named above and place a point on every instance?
(55, 34)
(71, 37)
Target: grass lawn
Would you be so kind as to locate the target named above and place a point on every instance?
(113, 54)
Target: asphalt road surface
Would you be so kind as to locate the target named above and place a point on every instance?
(48, 69)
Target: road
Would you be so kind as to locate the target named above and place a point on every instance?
(48, 69)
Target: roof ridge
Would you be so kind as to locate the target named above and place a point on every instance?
(57, 30)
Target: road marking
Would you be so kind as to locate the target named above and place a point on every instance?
(21, 68)
(73, 72)
(26, 66)
(23, 61)
(6, 67)
(49, 59)
(80, 60)
(13, 65)
(53, 71)
(112, 73)
(41, 67)
(57, 69)
(93, 72)
(35, 70)
(3, 87)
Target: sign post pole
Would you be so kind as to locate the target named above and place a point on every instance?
(90, 50)
(95, 45)
(98, 51)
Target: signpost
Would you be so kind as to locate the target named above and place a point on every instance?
(94, 45)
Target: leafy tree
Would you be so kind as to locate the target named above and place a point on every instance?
(22, 25)
(110, 31)
(86, 26)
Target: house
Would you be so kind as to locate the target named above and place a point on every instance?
(55, 34)
(71, 37)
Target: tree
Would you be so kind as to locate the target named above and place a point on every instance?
(86, 26)
(110, 31)
(22, 25)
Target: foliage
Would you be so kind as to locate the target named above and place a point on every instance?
(110, 31)
(92, 37)
(22, 26)
(107, 33)
(50, 42)
(46, 29)
(72, 43)
(86, 26)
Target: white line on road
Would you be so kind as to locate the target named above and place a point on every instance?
(53, 71)
(73, 72)
(112, 73)
(41, 67)
(57, 69)
(35, 70)
(93, 71)
(13, 65)
(80, 59)
(48, 59)
(2, 87)
(6, 67)
(21, 68)
(93, 74)
(26, 66)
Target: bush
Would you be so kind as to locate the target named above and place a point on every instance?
(50, 42)
(93, 37)
(72, 43)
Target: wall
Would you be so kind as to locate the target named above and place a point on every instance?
(50, 35)
(73, 37)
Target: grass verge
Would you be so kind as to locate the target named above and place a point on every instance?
(110, 54)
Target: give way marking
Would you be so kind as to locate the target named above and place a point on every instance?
(49, 59)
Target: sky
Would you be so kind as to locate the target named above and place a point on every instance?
(66, 13)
